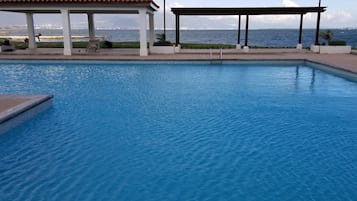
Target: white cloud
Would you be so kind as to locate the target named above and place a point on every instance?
(275, 21)
(333, 18)
(338, 17)
(220, 17)
(177, 5)
(290, 3)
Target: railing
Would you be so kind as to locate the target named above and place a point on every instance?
(216, 61)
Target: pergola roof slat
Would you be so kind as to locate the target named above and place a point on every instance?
(80, 2)
(247, 11)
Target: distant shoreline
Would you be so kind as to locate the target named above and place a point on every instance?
(257, 37)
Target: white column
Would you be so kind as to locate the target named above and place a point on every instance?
(91, 28)
(143, 39)
(66, 24)
(31, 30)
(152, 29)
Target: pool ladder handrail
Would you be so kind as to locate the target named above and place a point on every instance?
(216, 61)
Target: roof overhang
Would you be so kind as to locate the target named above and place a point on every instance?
(112, 8)
(248, 11)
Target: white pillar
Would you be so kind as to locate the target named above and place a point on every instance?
(31, 30)
(143, 39)
(66, 24)
(91, 28)
(152, 29)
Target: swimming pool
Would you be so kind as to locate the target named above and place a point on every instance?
(134, 131)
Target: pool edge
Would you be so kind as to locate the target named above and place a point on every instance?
(333, 70)
(20, 113)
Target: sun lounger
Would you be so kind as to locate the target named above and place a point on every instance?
(7, 48)
(93, 46)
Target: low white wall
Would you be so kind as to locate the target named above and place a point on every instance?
(162, 49)
(327, 49)
(177, 48)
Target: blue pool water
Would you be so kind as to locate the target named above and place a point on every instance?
(181, 132)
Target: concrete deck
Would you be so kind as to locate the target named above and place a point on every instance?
(346, 62)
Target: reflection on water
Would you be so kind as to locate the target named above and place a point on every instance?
(301, 77)
(312, 80)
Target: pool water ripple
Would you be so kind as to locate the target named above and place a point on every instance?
(181, 132)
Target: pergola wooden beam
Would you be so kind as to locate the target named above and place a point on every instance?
(248, 11)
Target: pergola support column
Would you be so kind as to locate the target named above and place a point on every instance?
(151, 29)
(143, 34)
(91, 28)
(299, 45)
(67, 36)
(31, 31)
(177, 30)
(238, 46)
(246, 48)
(318, 25)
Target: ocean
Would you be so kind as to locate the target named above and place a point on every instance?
(261, 37)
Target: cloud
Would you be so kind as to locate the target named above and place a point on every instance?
(278, 21)
(333, 18)
(338, 17)
(177, 5)
(218, 18)
(290, 3)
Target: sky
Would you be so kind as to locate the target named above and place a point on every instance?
(340, 14)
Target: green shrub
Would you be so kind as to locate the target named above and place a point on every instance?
(163, 43)
(206, 46)
(6, 42)
(50, 44)
(326, 35)
(130, 44)
(161, 40)
(337, 43)
(107, 44)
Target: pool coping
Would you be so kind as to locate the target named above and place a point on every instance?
(18, 113)
(334, 69)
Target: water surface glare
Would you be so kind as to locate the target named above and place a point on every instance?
(181, 132)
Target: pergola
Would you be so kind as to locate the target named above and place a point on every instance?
(89, 7)
(247, 12)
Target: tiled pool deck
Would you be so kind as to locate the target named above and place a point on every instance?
(11, 105)
(344, 61)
